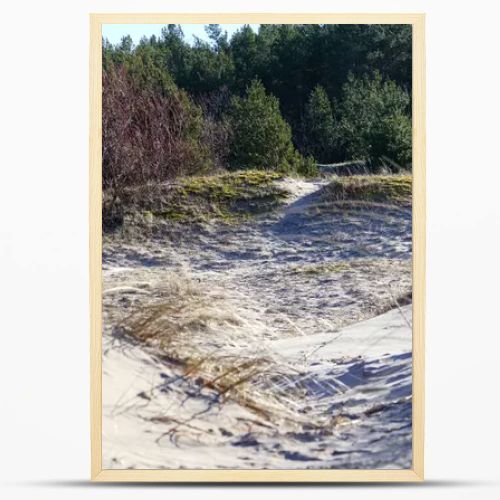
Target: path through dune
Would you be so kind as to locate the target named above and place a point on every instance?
(264, 344)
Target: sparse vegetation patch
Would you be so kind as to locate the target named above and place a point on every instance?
(224, 197)
(390, 189)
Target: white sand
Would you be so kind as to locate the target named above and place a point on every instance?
(138, 386)
(298, 289)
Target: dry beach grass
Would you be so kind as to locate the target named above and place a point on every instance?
(220, 305)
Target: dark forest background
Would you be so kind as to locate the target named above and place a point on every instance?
(287, 98)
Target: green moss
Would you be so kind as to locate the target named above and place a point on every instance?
(228, 197)
(394, 189)
(228, 185)
(322, 268)
(343, 266)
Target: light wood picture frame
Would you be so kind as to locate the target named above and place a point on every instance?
(416, 473)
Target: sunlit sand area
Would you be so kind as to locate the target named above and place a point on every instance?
(276, 338)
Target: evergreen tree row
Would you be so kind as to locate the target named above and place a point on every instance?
(285, 98)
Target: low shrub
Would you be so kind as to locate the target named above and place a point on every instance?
(394, 189)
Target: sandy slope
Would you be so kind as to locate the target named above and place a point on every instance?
(290, 294)
(366, 367)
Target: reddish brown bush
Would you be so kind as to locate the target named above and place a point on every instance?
(147, 138)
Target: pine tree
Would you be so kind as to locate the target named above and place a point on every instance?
(319, 125)
(261, 138)
(375, 121)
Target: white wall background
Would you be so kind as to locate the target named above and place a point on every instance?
(44, 443)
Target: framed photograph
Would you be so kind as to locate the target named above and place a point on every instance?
(257, 247)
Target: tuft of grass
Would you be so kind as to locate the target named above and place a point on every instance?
(176, 326)
(389, 189)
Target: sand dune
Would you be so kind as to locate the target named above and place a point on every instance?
(261, 344)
